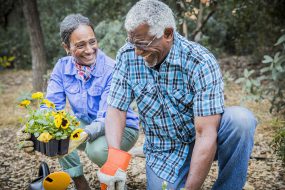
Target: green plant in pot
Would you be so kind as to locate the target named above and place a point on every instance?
(50, 129)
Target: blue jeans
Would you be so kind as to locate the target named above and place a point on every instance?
(235, 143)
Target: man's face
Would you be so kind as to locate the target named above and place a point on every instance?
(152, 49)
(83, 45)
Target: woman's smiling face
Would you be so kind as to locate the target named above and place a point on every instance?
(83, 45)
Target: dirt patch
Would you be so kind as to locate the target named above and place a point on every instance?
(18, 168)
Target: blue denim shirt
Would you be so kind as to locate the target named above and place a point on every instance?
(87, 100)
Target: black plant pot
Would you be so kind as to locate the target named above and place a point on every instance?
(52, 148)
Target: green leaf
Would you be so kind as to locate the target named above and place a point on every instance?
(58, 133)
(12, 58)
(267, 59)
(280, 40)
(250, 72)
(245, 73)
(37, 134)
(276, 57)
(64, 137)
(240, 80)
(264, 70)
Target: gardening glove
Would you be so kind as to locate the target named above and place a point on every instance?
(112, 175)
(89, 133)
(24, 140)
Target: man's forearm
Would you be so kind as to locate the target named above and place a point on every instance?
(201, 160)
(114, 126)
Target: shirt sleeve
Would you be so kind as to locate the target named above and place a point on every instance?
(121, 94)
(55, 89)
(208, 88)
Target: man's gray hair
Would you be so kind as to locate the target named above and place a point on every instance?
(70, 23)
(152, 12)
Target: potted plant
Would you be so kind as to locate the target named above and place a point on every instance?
(50, 129)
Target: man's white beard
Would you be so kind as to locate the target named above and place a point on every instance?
(153, 64)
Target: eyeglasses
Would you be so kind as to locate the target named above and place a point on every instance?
(140, 45)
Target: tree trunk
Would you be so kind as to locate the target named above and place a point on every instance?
(39, 63)
(198, 36)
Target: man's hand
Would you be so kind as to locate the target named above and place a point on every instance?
(112, 174)
(24, 140)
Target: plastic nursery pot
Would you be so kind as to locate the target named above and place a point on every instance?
(36, 143)
(63, 146)
(52, 148)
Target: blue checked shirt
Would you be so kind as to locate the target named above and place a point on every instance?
(188, 84)
(87, 99)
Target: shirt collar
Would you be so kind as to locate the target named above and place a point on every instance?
(173, 54)
(100, 63)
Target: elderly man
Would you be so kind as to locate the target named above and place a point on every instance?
(178, 87)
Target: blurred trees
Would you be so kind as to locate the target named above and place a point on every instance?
(233, 26)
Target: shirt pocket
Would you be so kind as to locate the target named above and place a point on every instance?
(94, 97)
(183, 101)
(72, 88)
(147, 98)
(183, 119)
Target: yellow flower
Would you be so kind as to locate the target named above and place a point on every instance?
(62, 113)
(44, 137)
(37, 95)
(64, 123)
(25, 103)
(57, 120)
(53, 113)
(75, 135)
(48, 103)
(76, 123)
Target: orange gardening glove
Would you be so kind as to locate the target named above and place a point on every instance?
(112, 175)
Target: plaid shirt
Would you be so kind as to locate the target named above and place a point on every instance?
(188, 84)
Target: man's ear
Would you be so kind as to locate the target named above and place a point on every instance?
(168, 33)
(66, 48)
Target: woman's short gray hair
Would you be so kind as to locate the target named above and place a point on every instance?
(152, 12)
(71, 23)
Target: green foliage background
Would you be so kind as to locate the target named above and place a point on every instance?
(251, 30)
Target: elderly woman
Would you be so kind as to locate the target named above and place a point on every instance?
(83, 77)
